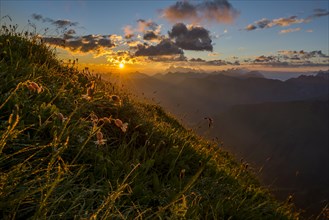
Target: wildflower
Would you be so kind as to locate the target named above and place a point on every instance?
(34, 87)
(116, 100)
(94, 119)
(107, 120)
(121, 125)
(90, 91)
(100, 140)
(89, 94)
(61, 117)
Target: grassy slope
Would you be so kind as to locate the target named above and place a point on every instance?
(52, 168)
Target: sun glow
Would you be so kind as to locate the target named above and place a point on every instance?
(121, 65)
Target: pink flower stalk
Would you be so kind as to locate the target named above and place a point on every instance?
(61, 117)
(100, 140)
(121, 125)
(116, 100)
(34, 87)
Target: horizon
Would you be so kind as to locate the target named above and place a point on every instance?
(150, 37)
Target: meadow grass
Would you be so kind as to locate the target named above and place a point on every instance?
(73, 146)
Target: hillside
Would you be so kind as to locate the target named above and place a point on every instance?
(288, 141)
(281, 127)
(73, 146)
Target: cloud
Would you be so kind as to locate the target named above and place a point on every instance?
(196, 60)
(144, 25)
(292, 58)
(302, 54)
(151, 36)
(219, 62)
(121, 56)
(58, 23)
(128, 31)
(181, 11)
(285, 22)
(266, 23)
(319, 12)
(264, 59)
(263, 23)
(83, 44)
(149, 29)
(214, 54)
(250, 27)
(289, 30)
(219, 11)
(165, 47)
(168, 58)
(191, 38)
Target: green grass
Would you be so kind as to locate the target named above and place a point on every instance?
(52, 168)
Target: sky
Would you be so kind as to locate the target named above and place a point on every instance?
(161, 35)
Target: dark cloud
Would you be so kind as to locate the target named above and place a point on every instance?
(285, 58)
(58, 23)
(288, 54)
(37, 17)
(165, 47)
(64, 23)
(191, 38)
(220, 11)
(69, 34)
(84, 44)
(219, 62)
(197, 60)
(263, 23)
(55, 41)
(150, 35)
(264, 59)
(318, 13)
(129, 36)
(149, 29)
(181, 11)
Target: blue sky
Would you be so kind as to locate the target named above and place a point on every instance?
(306, 31)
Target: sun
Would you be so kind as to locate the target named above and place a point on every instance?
(121, 65)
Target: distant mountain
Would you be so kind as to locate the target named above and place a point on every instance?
(288, 140)
(253, 74)
(193, 95)
(177, 77)
(323, 74)
(178, 69)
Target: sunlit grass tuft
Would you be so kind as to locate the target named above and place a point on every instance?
(73, 146)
